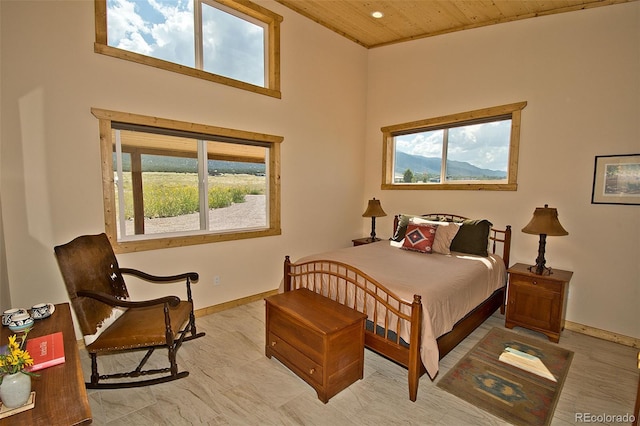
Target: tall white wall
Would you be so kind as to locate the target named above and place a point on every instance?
(579, 73)
(50, 158)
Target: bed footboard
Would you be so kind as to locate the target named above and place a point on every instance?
(393, 325)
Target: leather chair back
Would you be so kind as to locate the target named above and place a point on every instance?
(88, 263)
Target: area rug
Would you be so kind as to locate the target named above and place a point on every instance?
(506, 391)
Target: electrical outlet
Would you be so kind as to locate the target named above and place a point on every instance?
(216, 280)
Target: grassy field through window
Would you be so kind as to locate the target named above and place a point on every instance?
(168, 194)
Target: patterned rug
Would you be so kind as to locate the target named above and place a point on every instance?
(513, 394)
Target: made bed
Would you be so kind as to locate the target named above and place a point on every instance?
(421, 299)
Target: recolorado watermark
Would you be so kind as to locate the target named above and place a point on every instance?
(604, 418)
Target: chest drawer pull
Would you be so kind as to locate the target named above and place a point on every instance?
(313, 370)
(273, 343)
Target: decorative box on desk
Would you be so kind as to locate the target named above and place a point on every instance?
(537, 302)
(319, 339)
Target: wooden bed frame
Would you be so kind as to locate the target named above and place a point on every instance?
(385, 340)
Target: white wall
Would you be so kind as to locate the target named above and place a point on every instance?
(50, 159)
(579, 73)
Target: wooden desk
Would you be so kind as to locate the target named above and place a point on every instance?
(61, 396)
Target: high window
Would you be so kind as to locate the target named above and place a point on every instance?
(168, 183)
(226, 41)
(471, 150)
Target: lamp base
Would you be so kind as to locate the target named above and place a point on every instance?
(540, 270)
(373, 229)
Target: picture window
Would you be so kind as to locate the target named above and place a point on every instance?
(168, 183)
(225, 41)
(471, 150)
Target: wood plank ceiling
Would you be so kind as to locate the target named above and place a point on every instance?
(405, 20)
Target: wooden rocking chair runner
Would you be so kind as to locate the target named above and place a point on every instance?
(112, 323)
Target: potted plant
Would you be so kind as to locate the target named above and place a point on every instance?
(15, 380)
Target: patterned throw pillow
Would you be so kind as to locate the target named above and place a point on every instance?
(419, 237)
(444, 234)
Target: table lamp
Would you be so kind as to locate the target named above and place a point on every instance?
(374, 209)
(544, 222)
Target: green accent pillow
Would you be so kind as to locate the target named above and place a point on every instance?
(473, 237)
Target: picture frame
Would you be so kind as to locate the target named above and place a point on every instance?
(616, 179)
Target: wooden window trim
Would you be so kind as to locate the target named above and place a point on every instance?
(388, 132)
(106, 118)
(272, 20)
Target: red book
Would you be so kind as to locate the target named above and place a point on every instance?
(46, 351)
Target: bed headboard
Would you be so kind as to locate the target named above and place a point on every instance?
(497, 237)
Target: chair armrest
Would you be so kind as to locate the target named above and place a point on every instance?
(173, 301)
(193, 276)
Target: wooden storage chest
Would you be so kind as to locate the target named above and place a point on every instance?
(317, 338)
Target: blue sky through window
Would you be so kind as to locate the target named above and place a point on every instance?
(484, 145)
(164, 29)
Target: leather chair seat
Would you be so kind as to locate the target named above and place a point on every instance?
(141, 327)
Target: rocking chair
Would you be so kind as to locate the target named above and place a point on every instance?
(110, 322)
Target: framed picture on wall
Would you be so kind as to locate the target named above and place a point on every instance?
(616, 179)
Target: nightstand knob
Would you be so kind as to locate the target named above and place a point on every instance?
(534, 282)
(313, 370)
(273, 343)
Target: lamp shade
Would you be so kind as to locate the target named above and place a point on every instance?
(374, 209)
(545, 221)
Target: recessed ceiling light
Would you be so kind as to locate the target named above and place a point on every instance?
(377, 14)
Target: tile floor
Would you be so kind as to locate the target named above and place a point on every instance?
(231, 382)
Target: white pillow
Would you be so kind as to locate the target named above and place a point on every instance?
(445, 233)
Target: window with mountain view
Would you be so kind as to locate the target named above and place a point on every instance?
(168, 183)
(225, 41)
(471, 150)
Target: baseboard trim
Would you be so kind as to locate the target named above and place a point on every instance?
(233, 303)
(602, 334)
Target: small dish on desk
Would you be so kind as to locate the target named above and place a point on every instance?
(9, 313)
(20, 322)
(42, 310)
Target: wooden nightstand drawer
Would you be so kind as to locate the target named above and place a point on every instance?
(540, 283)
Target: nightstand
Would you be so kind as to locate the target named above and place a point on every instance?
(537, 302)
(362, 241)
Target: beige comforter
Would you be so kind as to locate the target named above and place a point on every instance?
(450, 285)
